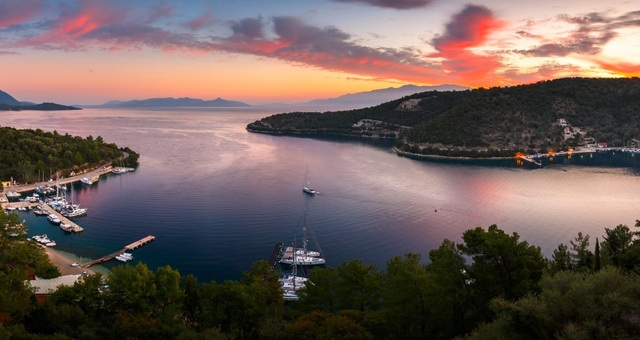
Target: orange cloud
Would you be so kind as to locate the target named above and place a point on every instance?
(621, 68)
(468, 29)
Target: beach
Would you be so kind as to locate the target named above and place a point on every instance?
(63, 261)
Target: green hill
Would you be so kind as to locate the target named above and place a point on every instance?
(488, 122)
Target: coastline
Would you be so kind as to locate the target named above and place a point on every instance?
(63, 261)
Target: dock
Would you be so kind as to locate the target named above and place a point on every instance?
(74, 227)
(111, 256)
(275, 256)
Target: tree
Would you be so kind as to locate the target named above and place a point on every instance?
(321, 294)
(405, 297)
(502, 266)
(448, 291)
(133, 288)
(581, 256)
(561, 258)
(618, 241)
(597, 265)
(359, 286)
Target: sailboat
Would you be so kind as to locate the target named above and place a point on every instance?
(303, 256)
(292, 283)
(306, 187)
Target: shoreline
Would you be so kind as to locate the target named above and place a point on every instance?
(63, 261)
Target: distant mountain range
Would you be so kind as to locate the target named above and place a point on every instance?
(175, 102)
(376, 97)
(351, 100)
(8, 103)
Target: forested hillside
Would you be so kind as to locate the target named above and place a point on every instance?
(487, 122)
(27, 154)
(587, 290)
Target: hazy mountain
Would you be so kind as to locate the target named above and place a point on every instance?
(175, 102)
(7, 102)
(5, 98)
(376, 97)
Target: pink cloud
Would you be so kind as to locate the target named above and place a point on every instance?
(16, 11)
(467, 29)
(72, 24)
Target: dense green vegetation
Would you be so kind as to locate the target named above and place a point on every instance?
(26, 155)
(37, 107)
(508, 291)
(488, 122)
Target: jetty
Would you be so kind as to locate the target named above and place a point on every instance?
(276, 255)
(132, 246)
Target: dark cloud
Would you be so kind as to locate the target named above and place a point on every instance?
(397, 4)
(249, 28)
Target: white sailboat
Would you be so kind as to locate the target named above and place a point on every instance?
(306, 186)
(303, 256)
(292, 283)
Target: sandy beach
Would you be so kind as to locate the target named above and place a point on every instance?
(64, 262)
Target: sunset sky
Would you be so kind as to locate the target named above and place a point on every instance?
(90, 52)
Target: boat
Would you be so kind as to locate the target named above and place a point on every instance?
(72, 209)
(66, 227)
(53, 219)
(86, 181)
(124, 258)
(51, 243)
(306, 187)
(13, 194)
(292, 283)
(119, 170)
(303, 256)
(75, 264)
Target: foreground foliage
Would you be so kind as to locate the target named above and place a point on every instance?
(508, 291)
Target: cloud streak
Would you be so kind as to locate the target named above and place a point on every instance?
(397, 4)
(591, 32)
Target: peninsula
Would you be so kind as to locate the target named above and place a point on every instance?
(537, 118)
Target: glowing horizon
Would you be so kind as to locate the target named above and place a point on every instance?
(91, 52)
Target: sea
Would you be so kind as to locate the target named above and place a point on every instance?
(219, 198)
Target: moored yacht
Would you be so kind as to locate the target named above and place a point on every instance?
(53, 219)
(86, 181)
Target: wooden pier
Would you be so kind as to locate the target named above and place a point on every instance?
(111, 256)
(275, 256)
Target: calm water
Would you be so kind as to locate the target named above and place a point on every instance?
(218, 198)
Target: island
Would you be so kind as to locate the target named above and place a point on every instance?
(547, 116)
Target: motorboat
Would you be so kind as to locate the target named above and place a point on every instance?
(13, 194)
(51, 243)
(73, 210)
(53, 219)
(123, 258)
(66, 227)
(86, 181)
(75, 264)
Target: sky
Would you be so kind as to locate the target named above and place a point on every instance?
(259, 52)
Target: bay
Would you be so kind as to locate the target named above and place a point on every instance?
(218, 198)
